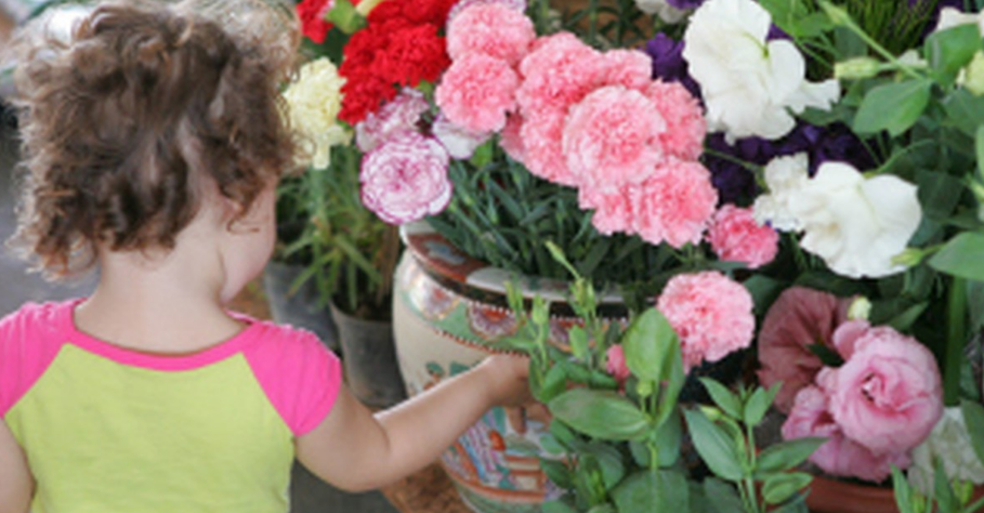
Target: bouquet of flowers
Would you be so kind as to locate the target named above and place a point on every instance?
(779, 159)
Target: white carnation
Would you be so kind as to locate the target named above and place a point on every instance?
(785, 177)
(313, 103)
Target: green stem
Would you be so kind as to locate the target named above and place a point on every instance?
(956, 339)
(880, 50)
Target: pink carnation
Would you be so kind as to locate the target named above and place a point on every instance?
(629, 68)
(736, 236)
(616, 363)
(541, 134)
(463, 5)
(711, 314)
(477, 92)
(610, 138)
(511, 139)
(495, 30)
(887, 396)
(799, 318)
(613, 210)
(559, 71)
(686, 127)
(676, 204)
(405, 178)
(399, 115)
(839, 456)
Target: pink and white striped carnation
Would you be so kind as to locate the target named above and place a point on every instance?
(406, 179)
(736, 236)
(398, 115)
(711, 314)
(477, 92)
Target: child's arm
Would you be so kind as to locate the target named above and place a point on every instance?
(356, 451)
(16, 483)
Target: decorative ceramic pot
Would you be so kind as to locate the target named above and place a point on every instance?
(446, 308)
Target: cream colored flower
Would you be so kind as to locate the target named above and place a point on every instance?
(663, 9)
(785, 177)
(749, 83)
(856, 224)
(313, 103)
(950, 443)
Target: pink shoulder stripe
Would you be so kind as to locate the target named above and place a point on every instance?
(30, 339)
(300, 376)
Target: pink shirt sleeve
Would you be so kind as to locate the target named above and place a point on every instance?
(29, 341)
(300, 376)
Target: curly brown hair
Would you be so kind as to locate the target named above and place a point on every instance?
(123, 122)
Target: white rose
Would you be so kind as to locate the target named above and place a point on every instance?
(856, 224)
(950, 443)
(748, 83)
(663, 9)
(785, 177)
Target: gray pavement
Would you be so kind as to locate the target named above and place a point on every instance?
(17, 286)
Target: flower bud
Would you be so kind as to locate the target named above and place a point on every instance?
(857, 68)
(838, 15)
(345, 16)
(860, 309)
(910, 257)
(711, 413)
(972, 76)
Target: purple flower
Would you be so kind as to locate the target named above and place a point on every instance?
(668, 63)
(406, 178)
(685, 4)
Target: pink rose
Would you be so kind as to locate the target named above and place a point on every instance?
(616, 363)
(799, 318)
(839, 456)
(710, 313)
(406, 178)
(736, 236)
(888, 394)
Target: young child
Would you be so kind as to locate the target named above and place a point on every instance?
(154, 141)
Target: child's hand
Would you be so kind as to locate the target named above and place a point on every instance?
(507, 379)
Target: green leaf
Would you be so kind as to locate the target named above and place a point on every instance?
(961, 257)
(557, 472)
(557, 506)
(973, 414)
(668, 439)
(946, 500)
(725, 399)
(950, 50)
(979, 150)
(759, 403)
(638, 493)
(600, 414)
(975, 304)
(646, 343)
(894, 107)
(827, 356)
(786, 455)
(906, 319)
(780, 487)
(610, 461)
(602, 508)
(964, 111)
(554, 383)
(673, 380)
(640, 453)
(579, 342)
(714, 446)
(903, 491)
(722, 496)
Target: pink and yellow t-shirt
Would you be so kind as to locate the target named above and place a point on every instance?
(106, 429)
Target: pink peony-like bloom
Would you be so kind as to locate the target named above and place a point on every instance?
(711, 314)
(492, 29)
(799, 318)
(396, 116)
(616, 366)
(477, 92)
(511, 139)
(888, 394)
(610, 138)
(686, 126)
(736, 236)
(676, 204)
(406, 178)
(839, 455)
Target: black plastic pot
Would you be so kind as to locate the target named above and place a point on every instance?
(369, 357)
(300, 308)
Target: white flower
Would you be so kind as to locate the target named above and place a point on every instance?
(398, 115)
(950, 17)
(950, 443)
(313, 103)
(856, 224)
(663, 9)
(785, 177)
(748, 83)
(459, 142)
